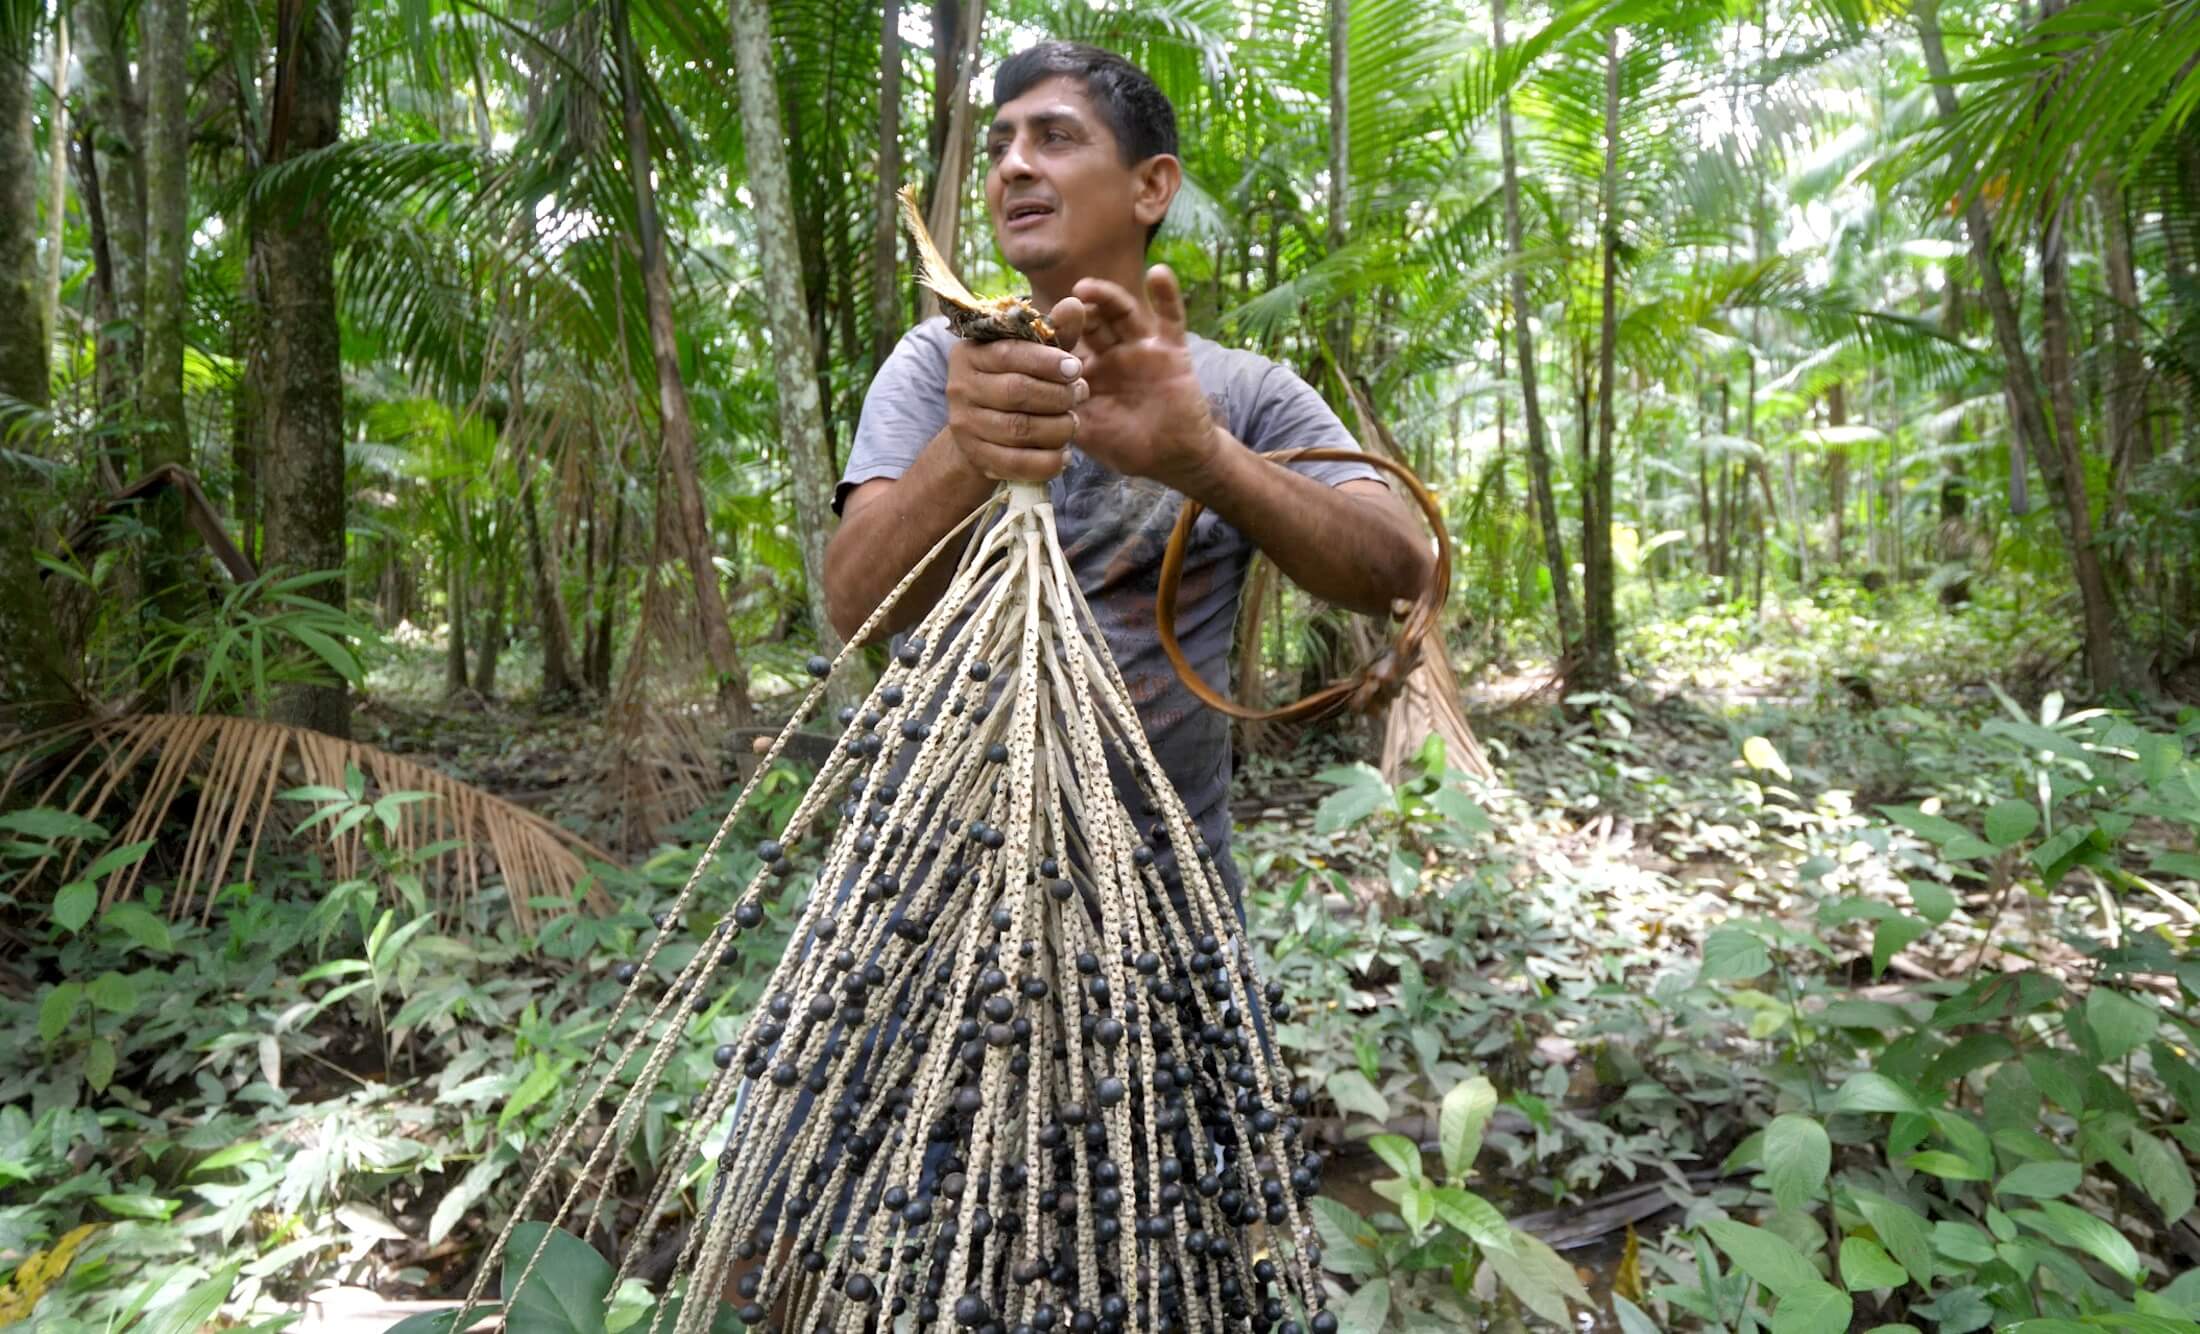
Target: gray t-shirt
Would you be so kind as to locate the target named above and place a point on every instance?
(1114, 529)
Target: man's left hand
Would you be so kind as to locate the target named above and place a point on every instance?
(1147, 416)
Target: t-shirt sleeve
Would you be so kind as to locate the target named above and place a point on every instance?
(904, 408)
(1287, 414)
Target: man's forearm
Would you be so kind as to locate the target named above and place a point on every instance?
(1356, 550)
(886, 534)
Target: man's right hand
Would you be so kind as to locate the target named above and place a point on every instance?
(1012, 406)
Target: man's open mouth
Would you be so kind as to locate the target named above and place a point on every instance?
(1026, 212)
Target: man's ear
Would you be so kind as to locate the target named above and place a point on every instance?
(1154, 184)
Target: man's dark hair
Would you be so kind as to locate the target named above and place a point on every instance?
(1137, 112)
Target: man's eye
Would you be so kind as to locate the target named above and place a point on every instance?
(995, 149)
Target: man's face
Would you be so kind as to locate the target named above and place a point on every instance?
(1059, 193)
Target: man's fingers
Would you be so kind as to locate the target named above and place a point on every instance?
(1013, 392)
(1167, 299)
(1113, 315)
(1021, 430)
(1013, 356)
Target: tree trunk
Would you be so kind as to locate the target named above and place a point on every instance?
(2058, 453)
(1339, 336)
(493, 627)
(454, 647)
(886, 239)
(303, 400)
(682, 524)
(801, 416)
(57, 182)
(2123, 402)
(164, 49)
(597, 667)
(116, 130)
(1539, 450)
(557, 640)
(34, 677)
(1600, 652)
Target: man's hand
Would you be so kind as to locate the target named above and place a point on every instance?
(1147, 416)
(1012, 407)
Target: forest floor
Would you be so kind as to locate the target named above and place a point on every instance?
(1663, 924)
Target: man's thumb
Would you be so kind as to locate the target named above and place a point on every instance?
(1068, 319)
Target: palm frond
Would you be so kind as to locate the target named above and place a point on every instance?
(238, 769)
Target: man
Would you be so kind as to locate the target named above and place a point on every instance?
(1140, 413)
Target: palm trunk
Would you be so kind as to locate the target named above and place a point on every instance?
(2057, 450)
(1339, 338)
(2123, 399)
(886, 238)
(303, 400)
(682, 525)
(115, 132)
(557, 639)
(802, 434)
(57, 182)
(164, 51)
(493, 628)
(454, 648)
(1539, 450)
(34, 676)
(1600, 655)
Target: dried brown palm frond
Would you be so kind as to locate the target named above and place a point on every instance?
(1428, 705)
(661, 753)
(238, 767)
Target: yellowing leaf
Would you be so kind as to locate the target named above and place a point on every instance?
(1759, 753)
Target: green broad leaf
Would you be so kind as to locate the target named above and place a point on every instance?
(1417, 1207)
(1353, 1093)
(539, 1083)
(44, 822)
(1903, 1234)
(1935, 829)
(2010, 822)
(1865, 1267)
(1765, 1256)
(250, 1151)
(1733, 954)
(1398, 1153)
(1465, 1212)
(194, 1310)
(340, 660)
(1537, 1275)
(58, 1008)
(140, 925)
(1365, 1311)
(113, 992)
(1350, 1244)
(1632, 1318)
(1870, 1091)
(99, 1064)
(137, 1206)
(114, 859)
(2162, 1174)
(442, 1322)
(566, 1292)
(1796, 1156)
(1361, 791)
(2075, 1227)
(1966, 1243)
(2040, 1181)
(73, 904)
(1461, 811)
(630, 1301)
(1815, 1308)
(1465, 1114)
(2121, 1023)
(1945, 1165)
(1892, 936)
(1936, 903)
(1995, 998)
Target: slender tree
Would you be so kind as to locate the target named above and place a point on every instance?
(1600, 646)
(304, 510)
(886, 231)
(802, 438)
(1523, 329)
(682, 524)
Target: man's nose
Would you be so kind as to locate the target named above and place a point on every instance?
(1015, 163)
